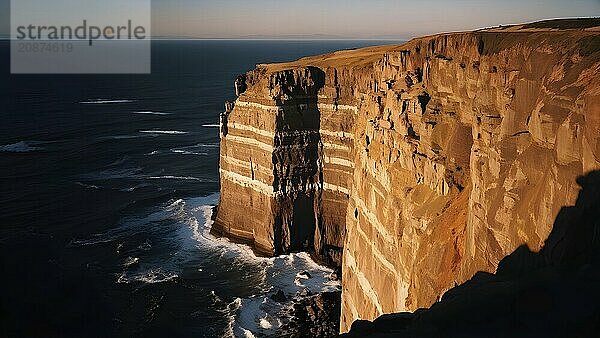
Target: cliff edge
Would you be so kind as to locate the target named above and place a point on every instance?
(413, 167)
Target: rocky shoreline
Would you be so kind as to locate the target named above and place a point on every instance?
(314, 316)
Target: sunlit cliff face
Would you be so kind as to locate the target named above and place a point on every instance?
(412, 166)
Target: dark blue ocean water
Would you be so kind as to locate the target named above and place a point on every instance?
(105, 188)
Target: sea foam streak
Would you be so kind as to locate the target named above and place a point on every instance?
(186, 152)
(200, 149)
(21, 147)
(88, 186)
(122, 137)
(211, 125)
(151, 113)
(166, 132)
(105, 101)
(197, 149)
(185, 178)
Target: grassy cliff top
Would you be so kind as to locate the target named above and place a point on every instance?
(584, 31)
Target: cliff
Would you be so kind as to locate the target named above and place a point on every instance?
(550, 293)
(415, 166)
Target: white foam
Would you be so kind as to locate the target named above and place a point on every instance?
(203, 237)
(88, 186)
(197, 149)
(211, 125)
(122, 137)
(265, 324)
(260, 315)
(165, 132)
(185, 178)
(207, 145)
(177, 203)
(252, 316)
(184, 225)
(231, 311)
(105, 101)
(21, 147)
(150, 113)
(151, 276)
(185, 152)
(247, 333)
(147, 245)
(129, 261)
(130, 189)
(95, 240)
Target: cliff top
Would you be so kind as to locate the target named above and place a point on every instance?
(495, 39)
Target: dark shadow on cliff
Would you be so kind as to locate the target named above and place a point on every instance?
(298, 158)
(552, 293)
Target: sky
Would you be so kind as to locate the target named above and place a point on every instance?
(350, 19)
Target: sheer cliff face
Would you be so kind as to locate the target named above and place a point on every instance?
(286, 164)
(412, 166)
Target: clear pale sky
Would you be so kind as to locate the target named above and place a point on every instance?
(342, 19)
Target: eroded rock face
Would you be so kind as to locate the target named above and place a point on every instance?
(549, 293)
(413, 166)
(285, 165)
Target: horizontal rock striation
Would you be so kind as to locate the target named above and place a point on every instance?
(412, 166)
(286, 163)
(549, 293)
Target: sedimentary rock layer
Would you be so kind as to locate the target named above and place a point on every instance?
(412, 166)
(286, 164)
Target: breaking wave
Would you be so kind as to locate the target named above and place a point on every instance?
(259, 315)
(161, 245)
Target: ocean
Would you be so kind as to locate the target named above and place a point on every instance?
(107, 183)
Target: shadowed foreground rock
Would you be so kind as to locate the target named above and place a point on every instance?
(315, 316)
(553, 293)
